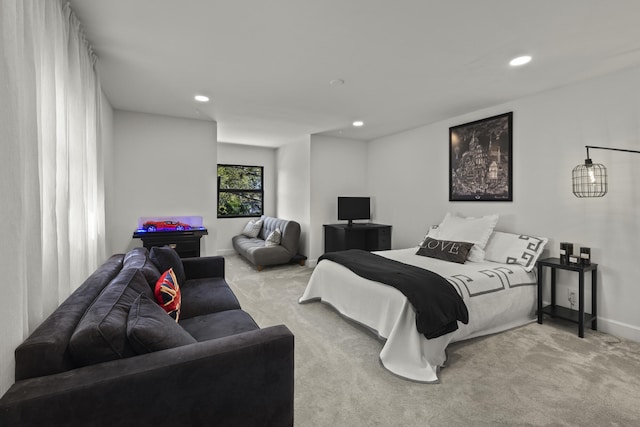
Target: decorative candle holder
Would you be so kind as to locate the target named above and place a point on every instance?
(585, 256)
(566, 249)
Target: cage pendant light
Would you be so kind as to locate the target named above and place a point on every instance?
(589, 179)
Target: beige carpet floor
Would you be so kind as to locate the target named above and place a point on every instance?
(535, 375)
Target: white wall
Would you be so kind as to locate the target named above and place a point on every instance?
(338, 168)
(408, 175)
(236, 154)
(164, 166)
(293, 187)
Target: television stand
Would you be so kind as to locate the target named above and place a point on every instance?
(186, 243)
(367, 236)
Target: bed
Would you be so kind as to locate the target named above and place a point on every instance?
(498, 296)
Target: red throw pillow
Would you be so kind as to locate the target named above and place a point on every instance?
(167, 293)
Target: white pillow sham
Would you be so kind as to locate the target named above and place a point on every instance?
(433, 233)
(467, 229)
(509, 248)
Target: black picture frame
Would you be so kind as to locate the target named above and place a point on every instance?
(481, 160)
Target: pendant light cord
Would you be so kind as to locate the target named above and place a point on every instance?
(608, 148)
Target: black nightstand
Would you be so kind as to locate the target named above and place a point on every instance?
(553, 310)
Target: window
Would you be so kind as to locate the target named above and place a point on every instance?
(240, 191)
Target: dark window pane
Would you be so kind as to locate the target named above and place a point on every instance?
(239, 204)
(240, 177)
(240, 191)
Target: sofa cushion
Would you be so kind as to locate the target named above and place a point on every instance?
(139, 258)
(101, 334)
(150, 328)
(257, 253)
(218, 325)
(164, 257)
(204, 296)
(167, 293)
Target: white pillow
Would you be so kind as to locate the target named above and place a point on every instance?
(273, 239)
(467, 229)
(252, 228)
(433, 233)
(509, 248)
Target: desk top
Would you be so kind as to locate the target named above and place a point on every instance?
(555, 263)
(358, 225)
(193, 232)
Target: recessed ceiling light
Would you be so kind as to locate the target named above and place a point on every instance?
(201, 98)
(520, 60)
(336, 82)
(358, 123)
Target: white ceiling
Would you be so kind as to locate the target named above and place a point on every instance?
(267, 64)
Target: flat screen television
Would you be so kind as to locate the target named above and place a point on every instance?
(351, 208)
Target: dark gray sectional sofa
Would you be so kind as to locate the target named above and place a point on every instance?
(256, 252)
(108, 357)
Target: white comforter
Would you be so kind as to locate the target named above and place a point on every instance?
(498, 297)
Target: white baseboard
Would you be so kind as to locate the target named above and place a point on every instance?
(613, 327)
(223, 252)
(311, 263)
(619, 329)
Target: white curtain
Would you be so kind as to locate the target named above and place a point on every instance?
(51, 176)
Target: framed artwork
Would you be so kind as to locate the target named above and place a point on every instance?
(480, 160)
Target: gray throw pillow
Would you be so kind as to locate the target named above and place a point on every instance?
(445, 250)
(164, 257)
(252, 229)
(150, 328)
(273, 239)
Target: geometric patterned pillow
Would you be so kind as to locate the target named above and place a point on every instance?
(273, 239)
(509, 248)
(167, 293)
(252, 229)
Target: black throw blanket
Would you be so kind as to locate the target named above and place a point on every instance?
(437, 304)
